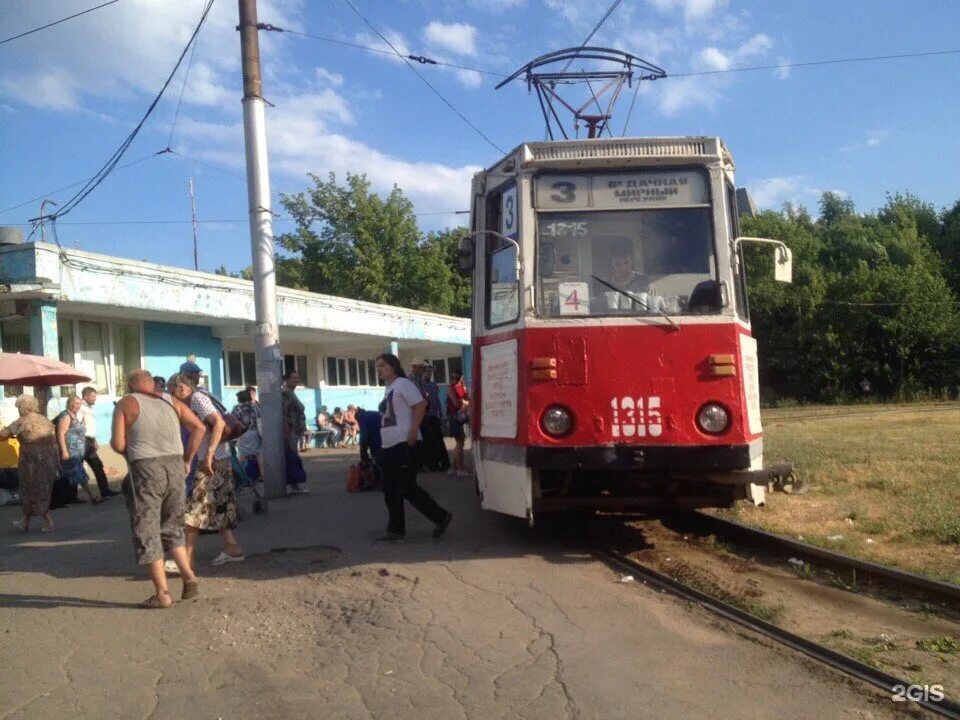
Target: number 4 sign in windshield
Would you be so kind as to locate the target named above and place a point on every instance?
(574, 298)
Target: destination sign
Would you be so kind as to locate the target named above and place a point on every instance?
(610, 191)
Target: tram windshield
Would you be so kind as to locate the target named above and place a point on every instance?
(626, 262)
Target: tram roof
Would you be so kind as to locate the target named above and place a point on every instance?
(616, 152)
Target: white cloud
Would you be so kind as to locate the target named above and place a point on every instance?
(397, 40)
(681, 93)
(126, 50)
(302, 138)
(692, 9)
(871, 139)
(783, 72)
(333, 79)
(771, 193)
(458, 38)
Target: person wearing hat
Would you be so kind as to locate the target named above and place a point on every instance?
(431, 428)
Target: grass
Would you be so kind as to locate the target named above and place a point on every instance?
(884, 482)
(945, 645)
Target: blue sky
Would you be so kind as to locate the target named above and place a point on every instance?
(70, 94)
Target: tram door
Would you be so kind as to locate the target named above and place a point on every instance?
(499, 451)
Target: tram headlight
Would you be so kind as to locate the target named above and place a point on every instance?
(713, 418)
(556, 421)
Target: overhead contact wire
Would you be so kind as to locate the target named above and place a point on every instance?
(426, 82)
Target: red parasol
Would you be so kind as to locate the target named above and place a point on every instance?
(37, 371)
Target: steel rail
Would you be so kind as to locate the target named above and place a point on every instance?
(945, 708)
(763, 538)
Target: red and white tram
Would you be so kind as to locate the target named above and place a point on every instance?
(613, 363)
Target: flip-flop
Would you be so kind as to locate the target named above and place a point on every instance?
(47, 529)
(223, 558)
(153, 603)
(191, 590)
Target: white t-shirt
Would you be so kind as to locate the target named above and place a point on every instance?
(88, 419)
(398, 400)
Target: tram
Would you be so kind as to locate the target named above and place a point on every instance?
(613, 361)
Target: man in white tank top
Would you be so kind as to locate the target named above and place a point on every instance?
(146, 429)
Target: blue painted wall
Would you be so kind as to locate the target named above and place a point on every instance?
(166, 346)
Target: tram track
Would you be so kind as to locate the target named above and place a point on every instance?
(944, 708)
(885, 575)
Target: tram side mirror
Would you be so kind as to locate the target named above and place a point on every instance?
(783, 264)
(546, 260)
(466, 255)
(782, 257)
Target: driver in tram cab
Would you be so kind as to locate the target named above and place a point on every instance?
(622, 275)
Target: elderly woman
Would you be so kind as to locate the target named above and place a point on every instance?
(37, 468)
(212, 502)
(71, 437)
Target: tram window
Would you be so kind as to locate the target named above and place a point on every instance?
(503, 285)
(628, 262)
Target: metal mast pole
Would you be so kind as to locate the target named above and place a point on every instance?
(193, 218)
(266, 332)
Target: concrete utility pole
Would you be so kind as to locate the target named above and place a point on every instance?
(193, 218)
(266, 333)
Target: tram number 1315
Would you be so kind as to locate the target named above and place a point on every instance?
(636, 417)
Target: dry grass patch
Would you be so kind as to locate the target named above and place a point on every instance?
(884, 482)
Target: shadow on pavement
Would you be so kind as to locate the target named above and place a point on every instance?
(324, 529)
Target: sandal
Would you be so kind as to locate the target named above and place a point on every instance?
(48, 528)
(154, 603)
(191, 590)
(223, 558)
(18, 524)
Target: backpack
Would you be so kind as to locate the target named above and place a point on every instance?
(354, 479)
(360, 477)
(234, 428)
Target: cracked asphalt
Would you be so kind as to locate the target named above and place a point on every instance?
(495, 620)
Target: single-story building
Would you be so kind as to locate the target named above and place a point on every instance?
(108, 315)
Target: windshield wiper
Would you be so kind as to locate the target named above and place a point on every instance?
(637, 299)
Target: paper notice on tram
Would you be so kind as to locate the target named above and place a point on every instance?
(574, 298)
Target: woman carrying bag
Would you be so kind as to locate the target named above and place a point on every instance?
(403, 408)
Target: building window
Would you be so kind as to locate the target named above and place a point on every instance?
(439, 371)
(298, 364)
(241, 367)
(92, 350)
(354, 372)
(125, 342)
(14, 338)
(455, 365)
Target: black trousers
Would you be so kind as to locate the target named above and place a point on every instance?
(434, 451)
(399, 465)
(91, 458)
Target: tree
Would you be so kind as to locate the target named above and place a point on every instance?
(447, 243)
(352, 243)
(834, 206)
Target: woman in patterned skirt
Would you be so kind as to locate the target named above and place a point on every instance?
(37, 467)
(212, 502)
(71, 437)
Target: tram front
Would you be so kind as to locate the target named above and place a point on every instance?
(613, 360)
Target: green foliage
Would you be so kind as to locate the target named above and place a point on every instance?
(871, 312)
(351, 242)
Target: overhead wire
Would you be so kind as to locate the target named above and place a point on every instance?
(186, 76)
(811, 63)
(57, 22)
(424, 79)
(423, 60)
(73, 185)
(111, 164)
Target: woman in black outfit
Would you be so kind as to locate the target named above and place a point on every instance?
(403, 408)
